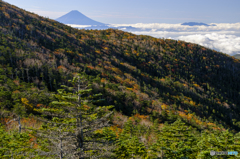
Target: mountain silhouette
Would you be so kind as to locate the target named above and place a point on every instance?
(75, 17)
(195, 23)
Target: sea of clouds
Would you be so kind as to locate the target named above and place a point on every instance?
(223, 37)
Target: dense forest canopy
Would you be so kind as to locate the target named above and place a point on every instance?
(171, 99)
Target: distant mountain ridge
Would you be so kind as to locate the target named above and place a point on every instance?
(76, 17)
(195, 23)
(237, 56)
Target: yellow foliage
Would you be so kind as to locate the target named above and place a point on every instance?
(164, 106)
(129, 89)
(192, 103)
(135, 86)
(196, 85)
(29, 107)
(27, 27)
(98, 51)
(119, 79)
(236, 61)
(211, 124)
(185, 85)
(117, 70)
(107, 62)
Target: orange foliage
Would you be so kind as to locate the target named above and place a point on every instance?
(40, 105)
(16, 82)
(13, 125)
(162, 80)
(116, 129)
(61, 67)
(33, 141)
(4, 121)
(85, 106)
(91, 67)
(140, 116)
(211, 124)
(197, 121)
(16, 91)
(103, 80)
(104, 74)
(182, 114)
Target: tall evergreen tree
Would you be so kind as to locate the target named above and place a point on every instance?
(75, 119)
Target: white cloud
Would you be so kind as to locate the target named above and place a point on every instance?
(179, 27)
(229, 44)
(224, 37)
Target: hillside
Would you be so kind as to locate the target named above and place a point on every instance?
(161, 84)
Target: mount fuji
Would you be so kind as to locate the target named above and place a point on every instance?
(76, 17)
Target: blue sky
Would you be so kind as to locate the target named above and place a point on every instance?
(139, 11)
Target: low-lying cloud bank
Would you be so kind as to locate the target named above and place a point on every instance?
(224, 37)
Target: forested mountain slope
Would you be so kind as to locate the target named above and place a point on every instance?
(160, 79)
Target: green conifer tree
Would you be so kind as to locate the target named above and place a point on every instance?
(175, 141)
(75, 119)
